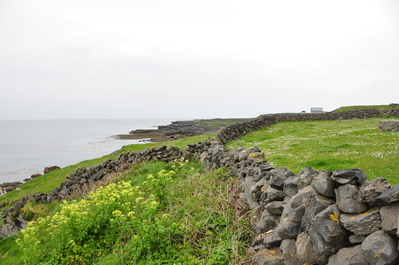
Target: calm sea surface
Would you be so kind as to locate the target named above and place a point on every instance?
(27, 146)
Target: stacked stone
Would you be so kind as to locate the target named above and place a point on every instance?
(345, 115)
(9, 186)
(321, 217)
(197, 150)
(11, 222)
(389, 125)
(233, 131)
(80, 180)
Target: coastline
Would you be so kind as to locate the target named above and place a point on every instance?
(164, 133)
(28, 146)
(179, 129)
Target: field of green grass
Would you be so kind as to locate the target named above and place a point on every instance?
(329, 145)
(350, 108)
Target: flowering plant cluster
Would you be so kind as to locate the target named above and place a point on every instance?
(172, 214)
(82, 231)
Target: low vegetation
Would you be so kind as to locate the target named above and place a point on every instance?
(329, 145)
(153, 214)
(350, 108)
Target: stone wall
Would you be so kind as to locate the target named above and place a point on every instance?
(346, 115)
(315, 217)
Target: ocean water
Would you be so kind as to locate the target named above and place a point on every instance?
(27, 146)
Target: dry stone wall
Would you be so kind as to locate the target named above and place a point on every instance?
(346, 115)
(313, 217)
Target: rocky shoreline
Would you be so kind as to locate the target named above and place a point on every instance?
(10, 186)
(179, 129)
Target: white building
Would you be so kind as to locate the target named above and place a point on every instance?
(316, 110)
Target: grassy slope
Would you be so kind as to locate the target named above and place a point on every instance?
(329, 145)
(10, 253)
(350, 108)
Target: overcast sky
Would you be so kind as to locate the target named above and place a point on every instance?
(63, 59)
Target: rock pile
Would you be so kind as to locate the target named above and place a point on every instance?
(321, 217)
(389, 125)
(232, 132)
(49, 169)
(9, 186)
(80, 180)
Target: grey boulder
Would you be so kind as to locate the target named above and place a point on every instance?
(362, 224)
(348, 199)
(327, 234)
(379, 248)
(371, 189)
(348, 256)
(349, 176)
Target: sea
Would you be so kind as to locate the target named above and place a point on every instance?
(28, 146)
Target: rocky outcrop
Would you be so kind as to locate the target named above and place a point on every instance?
(180, 129)
(12, 220)
(9, 186)
(49, 169)
(187, 128)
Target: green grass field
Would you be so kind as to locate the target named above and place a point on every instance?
(350, 108)
(329, 145)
